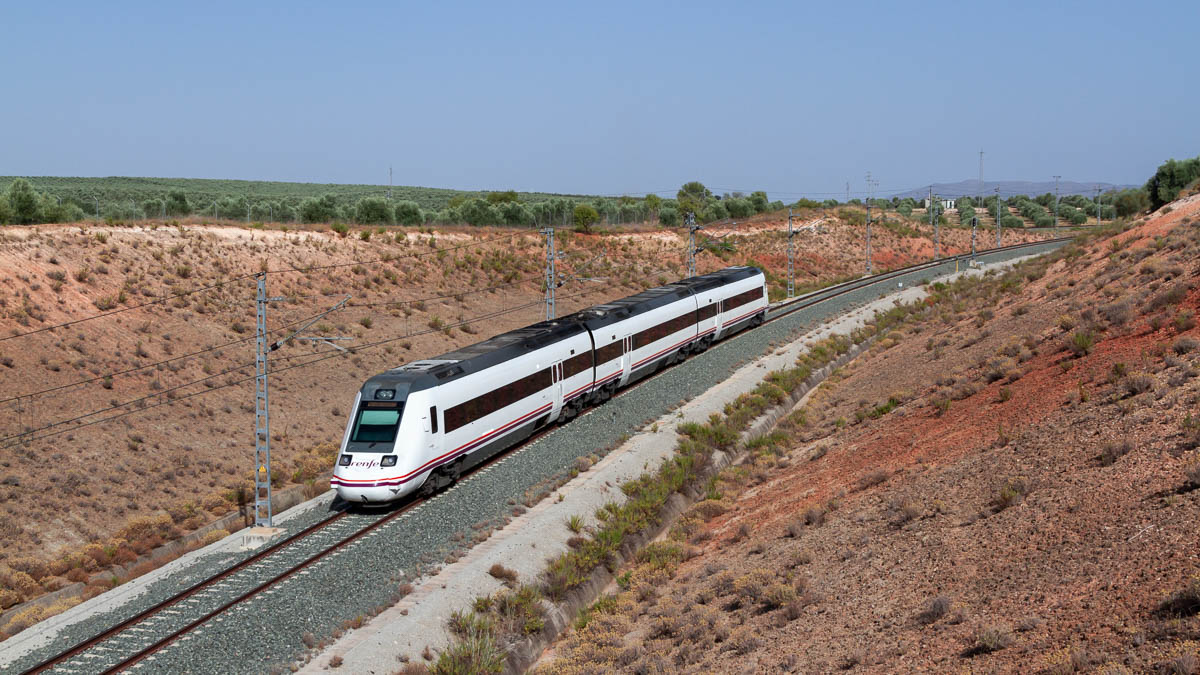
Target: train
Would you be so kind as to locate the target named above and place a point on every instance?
(419, 426)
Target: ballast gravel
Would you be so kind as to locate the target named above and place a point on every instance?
(269, 629)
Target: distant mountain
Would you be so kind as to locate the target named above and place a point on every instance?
(1009, 188)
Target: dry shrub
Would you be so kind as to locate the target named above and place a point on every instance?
(1184, 602)
(743, 640)
(795, 529)
(8, 598)
(938, 607)
(146, 527)
(34, 567)
(1011, 493)
(1184, 664)
(991, 638)
(508, 576)
(1185, 344)
(1114, 451)
(815, 516)
(1137, 383)
(708, 509)
(213, 536)
(874, 478)
(23, 584)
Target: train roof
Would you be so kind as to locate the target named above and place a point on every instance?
(602, 315)
(428, 373)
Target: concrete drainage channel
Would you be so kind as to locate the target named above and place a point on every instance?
(416, 625)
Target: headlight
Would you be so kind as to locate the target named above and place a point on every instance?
(388, 460)
(345, 460)
(385, 394)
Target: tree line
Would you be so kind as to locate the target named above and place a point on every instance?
(21, 203)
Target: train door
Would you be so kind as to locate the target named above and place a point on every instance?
(717, 325)
(556, 389)
(433, 439)
(626, 358)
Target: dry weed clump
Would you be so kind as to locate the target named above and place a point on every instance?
(938, 607)
(1183, 602)
(504, 574)
(1010, 494)
(1113, 451)
(1192, 474)
(991, 638)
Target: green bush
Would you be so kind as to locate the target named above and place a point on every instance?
(408, 213)
(478, 212)
(584, 217)
(693, 198)
(1170, 178)
(668, 216)
(177, 203)
(515, 213)
(1131, 202)
(373, 211)
(715, 211)
(22, 202)
(1081, 342)
(319, 209)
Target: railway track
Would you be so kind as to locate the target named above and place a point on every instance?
(138, 637)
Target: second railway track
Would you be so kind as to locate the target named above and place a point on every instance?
(132, 641)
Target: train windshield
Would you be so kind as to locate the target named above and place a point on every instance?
(377, 422)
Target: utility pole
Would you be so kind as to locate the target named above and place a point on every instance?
(870, 196)
(262, 409)
(974, 224)
(933, 221)
(791, 253)
(981, 173)
(692, 250)
(389, 183)
(847, 192)
(1097, 205)
(551, 272)
(997, 217)
(1056, 202)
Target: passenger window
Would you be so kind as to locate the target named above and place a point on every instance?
(433, 418)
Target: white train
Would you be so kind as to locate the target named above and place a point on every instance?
(424, 423)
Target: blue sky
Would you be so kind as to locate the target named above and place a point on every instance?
(601, 98)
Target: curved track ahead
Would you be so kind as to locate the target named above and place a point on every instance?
(118, 648)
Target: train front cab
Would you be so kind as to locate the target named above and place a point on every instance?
(386, 447)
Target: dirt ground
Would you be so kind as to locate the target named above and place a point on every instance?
(1008, 481)
(123, 431)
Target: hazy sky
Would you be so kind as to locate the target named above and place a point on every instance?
(600, 97)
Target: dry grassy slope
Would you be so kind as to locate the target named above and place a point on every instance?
(1019, 495)
(59, 494)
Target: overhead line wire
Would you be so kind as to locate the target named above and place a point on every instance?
(35, 435)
